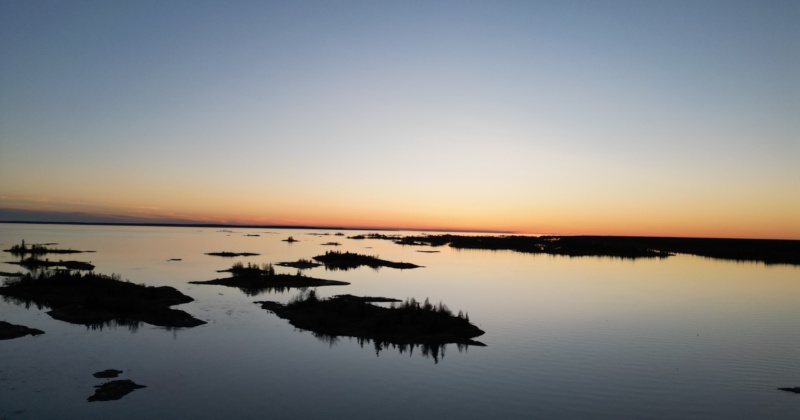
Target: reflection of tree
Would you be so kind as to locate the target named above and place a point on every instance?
(435, 351)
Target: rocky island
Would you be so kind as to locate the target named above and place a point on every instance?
(409, 323)
(253, 280)
(335, 260)
(36, 249)
(96, 300)
(33, 263)
(229, 254)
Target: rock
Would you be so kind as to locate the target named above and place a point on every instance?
(108, 373)
(114, 390)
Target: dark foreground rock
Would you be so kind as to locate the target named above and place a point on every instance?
(96, 300)
(114, 390)
(9, 331)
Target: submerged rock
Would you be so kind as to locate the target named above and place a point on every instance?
(114, 390)
(9, 331)
(108, 373)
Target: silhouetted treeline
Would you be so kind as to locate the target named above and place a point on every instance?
(768, 251)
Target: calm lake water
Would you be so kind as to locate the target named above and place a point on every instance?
(566, 338)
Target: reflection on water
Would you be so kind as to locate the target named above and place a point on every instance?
(434, 351)
(570, 338)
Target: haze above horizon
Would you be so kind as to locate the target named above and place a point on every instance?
(600, 118)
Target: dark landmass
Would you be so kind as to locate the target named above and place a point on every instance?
(33, 263)
(252, 234)
(229, 254)
(332, 243)
(336, 260)
(175, 259)
(253, 280)
(114, 390)
(290, 240)
(9, 331)
(796, 389)
(428, 252)
(300, 264)
(35, 249)
(768, 251)
(97, 300)
(404, 325)
(108, 373)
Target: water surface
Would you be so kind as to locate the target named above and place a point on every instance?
(570, 338)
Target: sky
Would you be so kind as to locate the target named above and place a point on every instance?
(663, 118)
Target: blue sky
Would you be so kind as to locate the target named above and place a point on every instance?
(615, 117)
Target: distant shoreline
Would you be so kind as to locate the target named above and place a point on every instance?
(222, 225)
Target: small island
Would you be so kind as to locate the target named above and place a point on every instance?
(409, 323)
(300, 264)
(33, 263)
(229, 254)
(36, 249)
(96, 300)
(290, 239)
(335, 260)
(253, 280)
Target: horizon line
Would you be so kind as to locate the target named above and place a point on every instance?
(252, 226)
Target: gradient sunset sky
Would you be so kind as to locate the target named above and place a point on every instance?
(669, 118)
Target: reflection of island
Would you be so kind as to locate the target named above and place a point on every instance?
(336, 260)
(9, 331)
(97, 300)
(229, 254)
(404, 326)
(253, 280)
